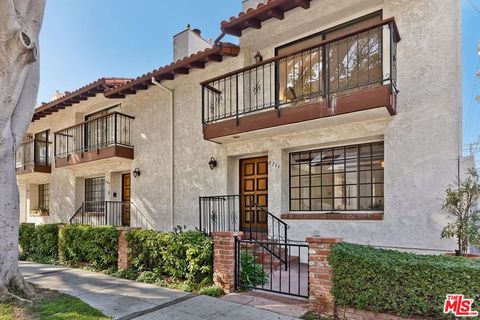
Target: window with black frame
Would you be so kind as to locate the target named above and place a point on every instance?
(41, 147)
(43, 196)
(348, 178)
(95, 194)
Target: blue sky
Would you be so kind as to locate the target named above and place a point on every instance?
(88, 39)
(471, 64)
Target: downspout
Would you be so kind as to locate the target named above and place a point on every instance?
(172, 156)
(220, 37)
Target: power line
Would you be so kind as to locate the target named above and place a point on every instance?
(474, 6)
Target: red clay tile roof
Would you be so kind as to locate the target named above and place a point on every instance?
(83, 93)
(168, 72)
(254, 17)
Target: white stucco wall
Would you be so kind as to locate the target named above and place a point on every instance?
(422, 142)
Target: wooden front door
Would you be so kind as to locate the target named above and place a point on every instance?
(254, 181)
(126, 199)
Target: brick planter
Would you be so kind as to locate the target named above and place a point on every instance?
(224, 259)
(123, 247)
(320, 275)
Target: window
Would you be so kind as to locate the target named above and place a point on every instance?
(43, 196)
(338, 179)
(41, 147)
(94, 194)
(353, 62)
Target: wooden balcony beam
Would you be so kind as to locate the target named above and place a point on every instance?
(197, 64)
(215, 58)
(276, 13)
(181, 71)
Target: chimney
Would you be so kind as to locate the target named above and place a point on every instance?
(247, 4)
(188, 42)
(58, 94)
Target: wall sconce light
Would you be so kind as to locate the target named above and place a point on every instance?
(212, 163)
(258, 57)
(382, 164)
(136, 173)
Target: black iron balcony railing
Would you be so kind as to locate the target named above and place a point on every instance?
(33, 152)
(342, 65)
(110, 130)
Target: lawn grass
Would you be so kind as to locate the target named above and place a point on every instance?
(50, 305)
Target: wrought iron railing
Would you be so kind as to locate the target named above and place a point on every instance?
(110, 213)
(224, 213)
(342, 65)
(33, 152)
(286, 275)
(112, 129)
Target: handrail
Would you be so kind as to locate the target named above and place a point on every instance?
(227, 217)
(35, 140)
(109, 213)
(318, 44)
(96, 119)
(76, 213)
(144, 216)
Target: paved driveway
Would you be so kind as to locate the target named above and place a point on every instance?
(125, 299)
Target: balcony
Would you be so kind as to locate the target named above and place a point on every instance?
(351, 74)
(104, 137)
(33, 156)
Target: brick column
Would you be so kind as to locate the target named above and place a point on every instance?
(123, 247)
(320, 275)
(224, 259)
(60, 226)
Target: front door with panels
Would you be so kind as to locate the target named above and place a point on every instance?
(126, 187)
(254, 182)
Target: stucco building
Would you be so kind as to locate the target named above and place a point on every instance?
(341, 118)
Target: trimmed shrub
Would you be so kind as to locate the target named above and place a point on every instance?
(26, 238)
(181, 255)
(404, 284)
(40, 243)
(96, 246)
(251, 273)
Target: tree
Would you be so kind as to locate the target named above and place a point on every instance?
(462, 203)
(20, 23)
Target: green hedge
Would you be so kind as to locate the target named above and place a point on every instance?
(96, 246)
(182, 256)
(40, 243)
(400, 283)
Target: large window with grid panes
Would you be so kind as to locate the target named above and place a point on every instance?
(347, 178)
(95, 194)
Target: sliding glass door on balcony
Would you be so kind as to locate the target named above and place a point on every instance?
(33, 152)
(340, 61)
(112, 129)
(41, 147)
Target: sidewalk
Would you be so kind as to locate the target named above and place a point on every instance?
(125, 299)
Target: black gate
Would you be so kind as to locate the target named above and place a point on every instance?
(272, 266)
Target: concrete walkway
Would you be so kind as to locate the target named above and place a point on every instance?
(125, 299)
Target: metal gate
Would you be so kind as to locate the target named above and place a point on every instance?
(280, 267)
